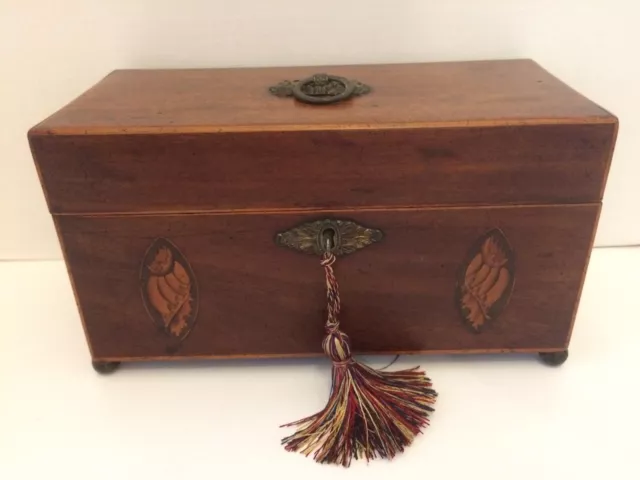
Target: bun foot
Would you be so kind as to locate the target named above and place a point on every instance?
(105, 367)
(554, 359)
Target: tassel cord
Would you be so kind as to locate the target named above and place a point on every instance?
(370, 413)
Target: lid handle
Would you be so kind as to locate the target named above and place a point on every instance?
(320, 89)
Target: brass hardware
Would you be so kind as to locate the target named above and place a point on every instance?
(320, 89)
(328, 238)
(339, 237)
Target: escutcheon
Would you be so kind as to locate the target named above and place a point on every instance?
(339, 237)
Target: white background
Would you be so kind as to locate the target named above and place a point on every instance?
(51, 51)
(497, 417)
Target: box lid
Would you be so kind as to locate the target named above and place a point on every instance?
(503, 92)
(494, 132)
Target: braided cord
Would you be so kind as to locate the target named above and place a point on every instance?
(333, 293)
(336, 343)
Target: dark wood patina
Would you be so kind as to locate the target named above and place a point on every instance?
(474, 186)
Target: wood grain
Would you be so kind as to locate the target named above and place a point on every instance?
(334, 169)
(258, 299)
(178, 357)
(435, 156)
(502, 92)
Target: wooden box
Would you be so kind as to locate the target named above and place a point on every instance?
(462, 199)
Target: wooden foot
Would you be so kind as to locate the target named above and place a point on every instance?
(554, 359)
(105, 367)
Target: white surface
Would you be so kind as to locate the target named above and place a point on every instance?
(51, 51)
(498, 417)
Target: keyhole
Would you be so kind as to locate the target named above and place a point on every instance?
(328, 239)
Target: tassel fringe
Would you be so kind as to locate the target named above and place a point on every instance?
(370, 414)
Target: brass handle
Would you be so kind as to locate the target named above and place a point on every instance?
(320, 89)
(339, 237)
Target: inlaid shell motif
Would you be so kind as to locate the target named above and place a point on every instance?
(486, 280)
(169, 289)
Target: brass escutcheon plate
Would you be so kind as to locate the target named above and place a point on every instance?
(343, 237)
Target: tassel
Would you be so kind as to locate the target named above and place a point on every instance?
(370, 413)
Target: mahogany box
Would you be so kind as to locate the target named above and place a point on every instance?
(461, 200)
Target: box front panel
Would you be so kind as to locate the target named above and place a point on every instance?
(448, 279)
(536, 164)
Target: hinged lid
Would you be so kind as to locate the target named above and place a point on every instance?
(398, 135)
(478, 93)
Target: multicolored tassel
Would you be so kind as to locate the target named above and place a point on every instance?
(370, 413)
